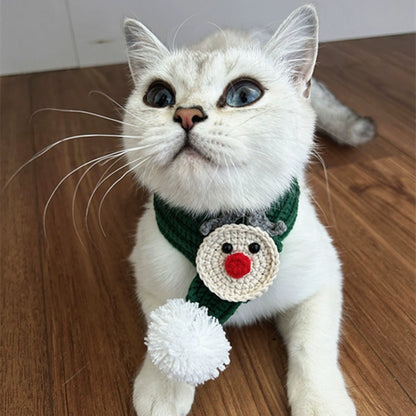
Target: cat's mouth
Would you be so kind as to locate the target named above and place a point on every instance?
(190, 150)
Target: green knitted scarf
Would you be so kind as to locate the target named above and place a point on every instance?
(182, 230)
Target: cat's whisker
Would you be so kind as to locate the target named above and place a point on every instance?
(150, 169)
(103, 179)
(124, 109)
(252, 117)
(328, 192)
(131, 170)
(89, 113)
(73, 202)
(237, 173)
(222, 32)
(178, 29)
(45, 210)
(51, 146)
(266, 155)
(100, 180)
(227, 169)
(109, 157)
(212, 178)
(111, 99)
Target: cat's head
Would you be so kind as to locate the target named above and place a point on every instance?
(225, 127)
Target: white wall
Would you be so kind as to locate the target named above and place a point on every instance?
(38, 35)
(35, 35)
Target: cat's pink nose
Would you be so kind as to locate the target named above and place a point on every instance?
(189, 116)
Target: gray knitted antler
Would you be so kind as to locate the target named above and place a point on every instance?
(225, 218)
(259, 219)
(256, 219)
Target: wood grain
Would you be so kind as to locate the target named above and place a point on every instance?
(71, 337)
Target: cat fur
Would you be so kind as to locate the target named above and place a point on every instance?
(245, 159)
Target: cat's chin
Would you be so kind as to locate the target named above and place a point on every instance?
(193, 184)
(190, 154)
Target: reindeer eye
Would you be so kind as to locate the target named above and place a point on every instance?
(227, 248)
(254, 248)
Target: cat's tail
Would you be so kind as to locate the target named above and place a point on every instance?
(337, 120)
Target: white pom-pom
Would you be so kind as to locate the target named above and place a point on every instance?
(186, 343)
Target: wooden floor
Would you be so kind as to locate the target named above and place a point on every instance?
(71, 335)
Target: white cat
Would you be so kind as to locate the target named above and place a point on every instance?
(226, 126)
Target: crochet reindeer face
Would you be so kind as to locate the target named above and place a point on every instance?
(238, 262)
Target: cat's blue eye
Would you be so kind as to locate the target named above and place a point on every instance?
(159, 95)
(243, 93)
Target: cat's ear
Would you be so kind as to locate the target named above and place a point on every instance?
(143, 47)
(295, 44)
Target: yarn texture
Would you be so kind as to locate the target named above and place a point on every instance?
(236, 262)
(243, 273)
(183, 230)
(186, 343)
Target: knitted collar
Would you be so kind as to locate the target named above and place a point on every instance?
(183, 231)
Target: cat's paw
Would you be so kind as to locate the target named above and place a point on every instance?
(323, 406)
(333, 400)
(155, 395)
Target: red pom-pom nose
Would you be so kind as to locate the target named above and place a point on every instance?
(237, 265)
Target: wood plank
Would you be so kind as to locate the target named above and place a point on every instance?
(253, 383)
(72, 340)
(329, 154)
(398, 50)
(379, 264)
(90, 302)
(24, 355)
(370, 383)
(387, 95)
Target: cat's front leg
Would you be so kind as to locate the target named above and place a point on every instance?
(155, 395)
(310, 330)
(161, 273)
